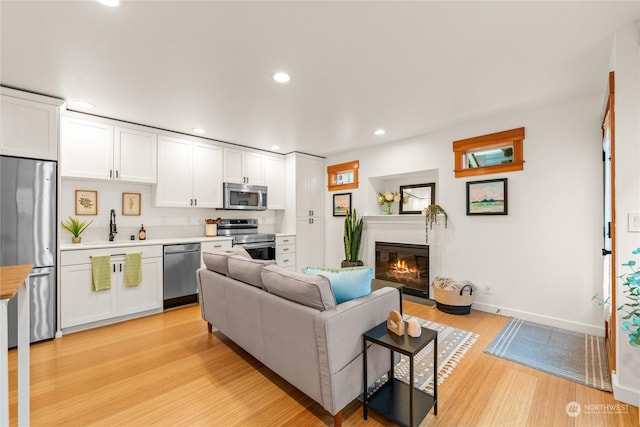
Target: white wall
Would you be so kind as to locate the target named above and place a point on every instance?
(626, 64)
(159, 222)
(543, 259)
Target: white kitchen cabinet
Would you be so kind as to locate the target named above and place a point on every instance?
(81, 307)
(86, 149)
(309, 242)
(275, 181)
(310, 187)
(304, 208)
(147, 295)
(189, 174)
(207, 175)
(98, 150)
(79, 304)
(29, 125)
(135, 155)
(243, 167)
(286, 251)
(175, 172)
(211, 246)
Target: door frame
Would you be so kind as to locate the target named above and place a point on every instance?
(609, 113)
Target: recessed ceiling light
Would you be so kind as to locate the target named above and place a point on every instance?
(83, 104)
(110, 3)
(281, 77)
(275, 147)
(380, 132)
(198, 130)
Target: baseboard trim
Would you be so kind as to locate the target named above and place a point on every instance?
(543, 320)
(105, 322)
(624, 394)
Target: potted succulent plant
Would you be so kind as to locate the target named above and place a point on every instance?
(76, 227)
(352, 239)
(431, 214)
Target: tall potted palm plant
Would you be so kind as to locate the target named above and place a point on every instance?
(352, 239)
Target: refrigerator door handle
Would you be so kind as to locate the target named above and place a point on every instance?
(38, 274)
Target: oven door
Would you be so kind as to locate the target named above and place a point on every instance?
(261, 250)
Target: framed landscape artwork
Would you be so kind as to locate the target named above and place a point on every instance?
(86, 202)
(487, 197)
(341, 204)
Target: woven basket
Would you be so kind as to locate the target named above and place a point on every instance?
(454, 301)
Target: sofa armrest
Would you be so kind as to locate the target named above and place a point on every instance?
(211, 295)
(339, 338)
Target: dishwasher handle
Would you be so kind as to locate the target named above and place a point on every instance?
(181, 248)
(182, 252)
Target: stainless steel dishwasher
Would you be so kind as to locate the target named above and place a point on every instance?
(180, 264)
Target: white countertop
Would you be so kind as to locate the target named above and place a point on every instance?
(126, 243)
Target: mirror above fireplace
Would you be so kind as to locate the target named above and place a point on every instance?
(417, 197)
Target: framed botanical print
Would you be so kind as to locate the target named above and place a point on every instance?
(86, 202)
(131, 204)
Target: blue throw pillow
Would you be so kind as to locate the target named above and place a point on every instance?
(346, 283)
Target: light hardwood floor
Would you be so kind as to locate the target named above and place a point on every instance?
(166, 370)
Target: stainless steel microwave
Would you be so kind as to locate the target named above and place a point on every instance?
(245, 196)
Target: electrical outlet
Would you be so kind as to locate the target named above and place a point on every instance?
(487, 289)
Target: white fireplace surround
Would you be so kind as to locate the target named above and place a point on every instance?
(398, 229)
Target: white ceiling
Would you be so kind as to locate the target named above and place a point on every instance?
(407, 67)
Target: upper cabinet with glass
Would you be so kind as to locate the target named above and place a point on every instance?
(493, 153)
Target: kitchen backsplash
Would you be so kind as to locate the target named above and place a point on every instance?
(159, 222)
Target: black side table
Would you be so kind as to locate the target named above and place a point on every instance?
(390, 400)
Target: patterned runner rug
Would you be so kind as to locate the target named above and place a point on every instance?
(571, 355)
(453, 344)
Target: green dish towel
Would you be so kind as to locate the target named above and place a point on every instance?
(100, 274)
(133, 269)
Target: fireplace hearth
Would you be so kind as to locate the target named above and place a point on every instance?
(404, 263)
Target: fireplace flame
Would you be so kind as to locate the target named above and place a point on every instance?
(401, 267)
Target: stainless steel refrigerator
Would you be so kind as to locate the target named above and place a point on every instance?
(28, 236)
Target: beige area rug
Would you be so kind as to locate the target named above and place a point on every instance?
(453, 344)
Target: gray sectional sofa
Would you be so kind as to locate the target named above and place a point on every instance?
(291, 323)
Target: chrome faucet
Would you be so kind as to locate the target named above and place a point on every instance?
(112, 225)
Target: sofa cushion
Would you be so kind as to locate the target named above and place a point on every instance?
(311, 291)
(218, 261)
(247, 270)
(346, 283)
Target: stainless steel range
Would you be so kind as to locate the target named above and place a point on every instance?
(245, 234)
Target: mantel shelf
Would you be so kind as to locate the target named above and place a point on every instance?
(391, 219)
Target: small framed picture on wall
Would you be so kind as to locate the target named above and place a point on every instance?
(341, 204)
(131, 204)
(487, 197)
(86, 202)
